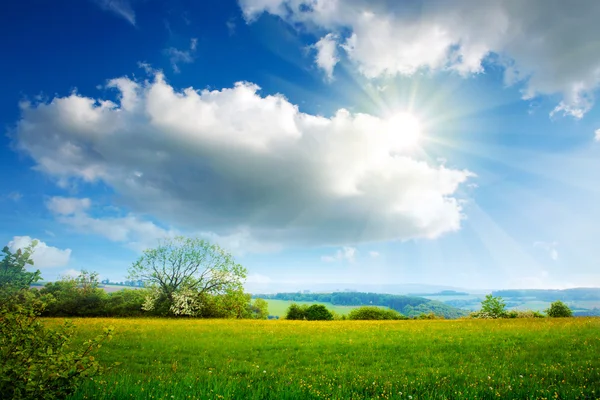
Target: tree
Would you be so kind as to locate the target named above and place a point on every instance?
(558, 309)
(13, 270)
(188, 266)
(318, 312)
(493, 306)
(295, 312)
(260, 309)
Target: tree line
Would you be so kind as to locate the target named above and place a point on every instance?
(409, 306)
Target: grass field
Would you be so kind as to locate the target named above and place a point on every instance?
(279, 307)
(245, 359)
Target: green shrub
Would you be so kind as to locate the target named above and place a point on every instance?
(429, 315)
(296, 312)
(37, 362)
(558, 309)
(374, 313)
(318, 312)
(492, 307)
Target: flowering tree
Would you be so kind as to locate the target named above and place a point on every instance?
(185, 272)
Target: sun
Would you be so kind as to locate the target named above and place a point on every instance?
(403, 130)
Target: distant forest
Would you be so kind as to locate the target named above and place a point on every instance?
(407, 305)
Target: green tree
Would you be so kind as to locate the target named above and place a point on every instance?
(76, 296)
(558, 309)
(318, 312)
(192, 267)
(494, 307)
(295, 312)
(259, 309)
(13, 266)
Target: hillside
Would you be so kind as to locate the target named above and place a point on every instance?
(411, 306)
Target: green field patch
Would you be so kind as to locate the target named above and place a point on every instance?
(279, 307)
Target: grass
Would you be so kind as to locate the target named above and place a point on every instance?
(470, 359)
(279, 307)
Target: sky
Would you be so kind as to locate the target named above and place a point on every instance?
(350, 142)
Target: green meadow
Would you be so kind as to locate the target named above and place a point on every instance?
(433, 359)
(279, 307)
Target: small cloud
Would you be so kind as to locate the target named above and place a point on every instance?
(258, 278)
(67, 205)
(49, 233)
(345, 253)
(70, 273)
(597, 135)
(326, 57)
(14, 196)
(120, 7)
(43, 256)
(177, 56)
(550, 248)
(374, 254)
(231, 25)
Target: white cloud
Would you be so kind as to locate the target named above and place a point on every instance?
(70, 273)
(326, 57)
(232, 161)
(177, 56)
(43, 256)
(122, 8)
(231, 26)
(67, 205)
(550, 248)
(374, 254)
(550, 45)
(345, 253)
(258, 278)
(597, 135)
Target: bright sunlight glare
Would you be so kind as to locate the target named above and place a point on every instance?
(403, 130)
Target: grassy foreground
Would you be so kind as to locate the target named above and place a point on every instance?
(216, 359)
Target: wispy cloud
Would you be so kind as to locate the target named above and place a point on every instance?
(374, 254)
(177, 56)
(14, 196)
(122, 8)
(345, 253)
(231, 25)
(549, 247)
(597, 135)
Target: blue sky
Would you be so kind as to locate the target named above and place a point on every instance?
(448, 143)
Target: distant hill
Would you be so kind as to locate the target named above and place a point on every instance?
(576, 294)
(408, 305)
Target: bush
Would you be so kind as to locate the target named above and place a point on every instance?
(374, 313)
(492, 307)
(318, 312)
(37, 362)
(296, 312)
(524, 314)
(558, 309)
(430, 315)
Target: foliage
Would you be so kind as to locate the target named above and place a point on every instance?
(558, 309)
(184, 272)
(524, 314)
(408, 305)
(259, 309)
(286, 360)
(493, 307)
(296, 312)
(374, 313)
(429, 315)
(76, 297)
(13, 266)
(318, 312)
(37, 362)
(124, 303)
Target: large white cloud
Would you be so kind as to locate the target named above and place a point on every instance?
(549, 44)
(230, 161)
(43, 256)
